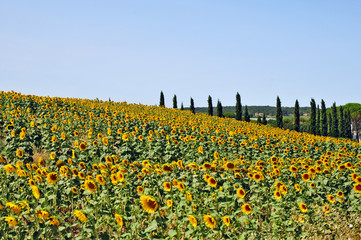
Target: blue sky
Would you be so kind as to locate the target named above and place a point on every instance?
(132, 50)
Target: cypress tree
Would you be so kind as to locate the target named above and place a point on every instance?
(192, 106)
(329, 121)
(210, 106)
(238, 107)
(247, 118)
(342, 128)
(182, 108)
(175, 105)
(312, 126)
(334, 125)
(297, 116)
(161, 101)
(279, 116)
(318, 121)
(264, 120)
(348, 124)
(324, 124)
(219, 109)
(259, 120)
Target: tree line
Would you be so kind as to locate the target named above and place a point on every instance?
(334, 122)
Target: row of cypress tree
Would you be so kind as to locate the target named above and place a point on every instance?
(334, 123)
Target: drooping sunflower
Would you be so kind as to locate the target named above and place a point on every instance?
(11, 221)
(35, 191)
(246, 208)
(81, 216)
(226, 220)
(209, 221)
(52, 177)
(303, 207)
(119, 220)
(241, 193)
(149, 204)
(192, 220)
(90, 185)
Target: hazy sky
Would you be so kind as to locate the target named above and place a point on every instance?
(131, 50)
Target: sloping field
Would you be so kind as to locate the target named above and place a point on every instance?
(87, 169)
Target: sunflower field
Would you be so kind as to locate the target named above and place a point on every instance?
(89, 169)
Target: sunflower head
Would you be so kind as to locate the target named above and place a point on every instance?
(149, 204)
(209, 221)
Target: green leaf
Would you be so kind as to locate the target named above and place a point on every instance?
(152, 226)
(172, 233)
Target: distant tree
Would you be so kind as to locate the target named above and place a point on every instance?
(175, 102)
(219, 109)
(329, 124)
(161, 101)
(182, 108)
(312, 126)
(324, 124)
(210, 106)
(341, 124)
(334, 125)
(355, 115)
(297, 116)
(247, 118)
(318, 121)
(264, 120)
(192, 106)
(348, 123)
(259, 120)
(238, 107)
(279, 116)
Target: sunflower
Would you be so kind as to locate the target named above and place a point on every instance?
(283, 189)
(357, 187)
(54, 221)
(36, 192)
(119, 219)
(246, 208)
(331, 198)
(169, 203)
(11, 221)
(212, 182)
(312, 185)
(241, 193)
(140, 189)
(90, 185)
(149, 204)
(303, 207)
(52, 177)
(200, 149)
(301, 219)
(120, 176)
(100, 179)
(293, 169)
(81, 216)
(52, 156)
(74, 190)
(326, 209)
(19, 153)
(277, 195)
(82, 146)
(167, 168)
(297, 187)
(9, 168)
(105, 141)
(257, 176)
(181, 186)
(306, 177)
(193, 220)
(209, 221)
(226, 220)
